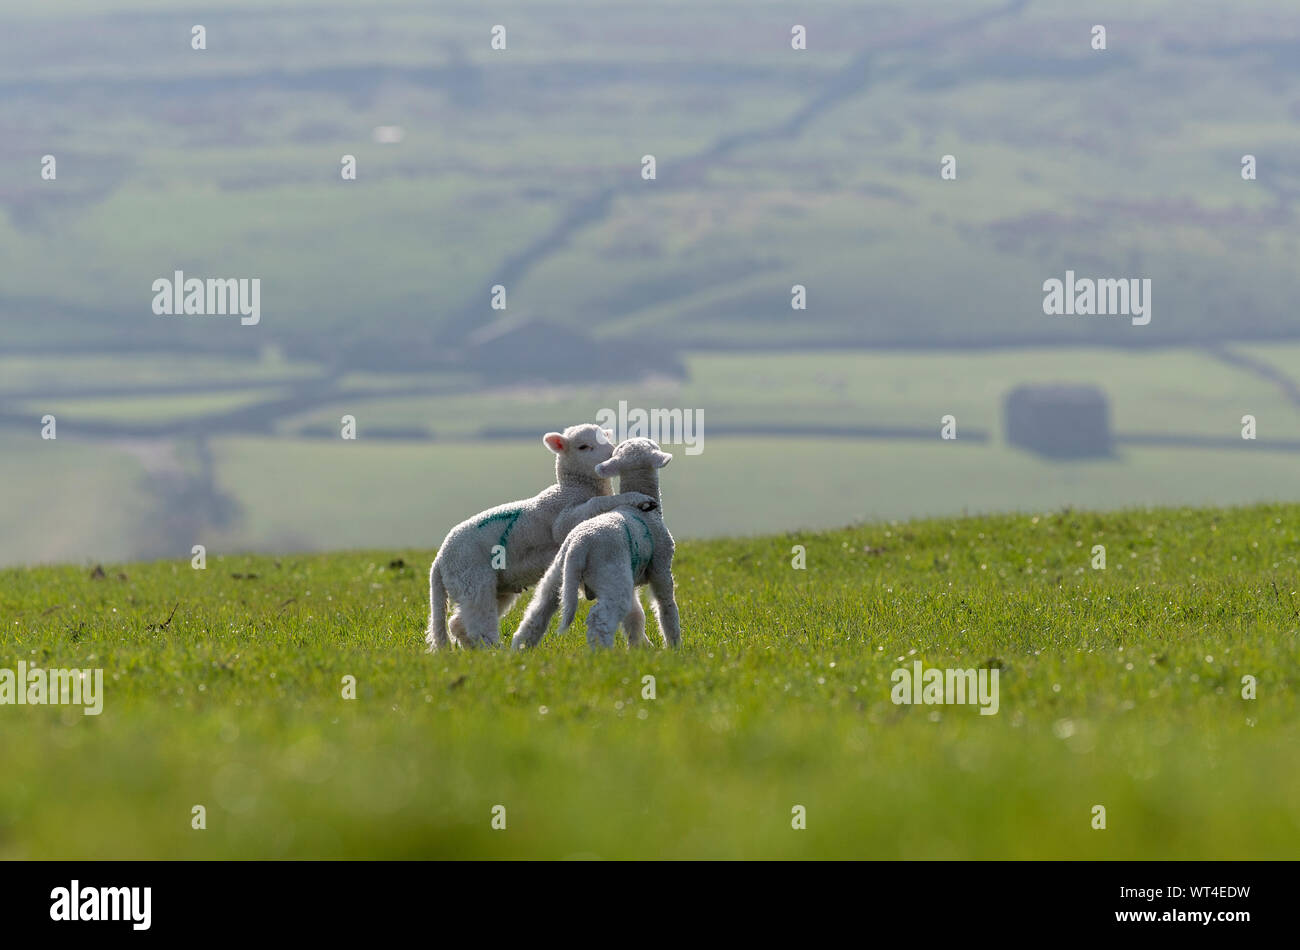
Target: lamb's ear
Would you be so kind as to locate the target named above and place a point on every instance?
(607, 436)
(607, 468)
(555, 442)
(661, 458)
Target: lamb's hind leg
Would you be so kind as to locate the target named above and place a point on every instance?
(478, 614)
(604, 618)
(505, 600)
(456, 629)
(665, 606)
(634, 624)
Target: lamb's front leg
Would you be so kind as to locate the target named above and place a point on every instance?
(665, 605)
(570, 518)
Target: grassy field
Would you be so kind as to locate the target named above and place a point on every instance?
(1119, 687)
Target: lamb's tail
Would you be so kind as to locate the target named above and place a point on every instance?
(436, 635)
(575, 562)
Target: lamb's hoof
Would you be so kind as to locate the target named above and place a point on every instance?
(648, 505)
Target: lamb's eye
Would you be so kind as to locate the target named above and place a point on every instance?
(583, 448)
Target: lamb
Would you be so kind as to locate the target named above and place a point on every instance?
(611, 555)
(486, 561)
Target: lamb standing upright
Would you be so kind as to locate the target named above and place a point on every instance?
(612, 554)
(486, 561)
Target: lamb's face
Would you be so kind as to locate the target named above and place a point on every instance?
(634, 453)
(580, 448)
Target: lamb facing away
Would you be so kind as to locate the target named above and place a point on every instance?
(611, 555)
(486, 561)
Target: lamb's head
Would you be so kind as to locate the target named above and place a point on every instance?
(633, 454)
(579, 450)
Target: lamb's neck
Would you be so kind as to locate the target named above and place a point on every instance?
(589, 483)
(644, 480)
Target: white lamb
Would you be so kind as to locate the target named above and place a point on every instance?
(486, 561)
(611, 555)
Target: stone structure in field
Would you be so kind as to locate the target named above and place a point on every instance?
(1059, 421)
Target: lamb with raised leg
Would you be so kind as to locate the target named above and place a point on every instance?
(486, 561)
(610, 555)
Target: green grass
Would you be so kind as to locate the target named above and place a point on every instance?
(1119, 687)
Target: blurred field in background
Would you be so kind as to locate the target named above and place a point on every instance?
(788, 441)
(775, 167)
